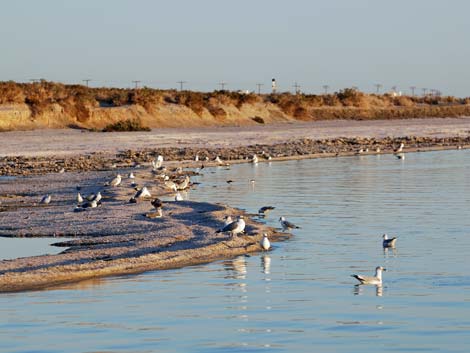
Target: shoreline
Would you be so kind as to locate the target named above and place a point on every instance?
(116, 238)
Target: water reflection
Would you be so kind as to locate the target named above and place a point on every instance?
(266, 264)
(390, 252)
(359, 289)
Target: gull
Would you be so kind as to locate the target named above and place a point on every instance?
(377, 150)
(377, 279)
(265, 243)
(131, 175)
(235, 227)
(178, 197)
(116, 181)
(90, 204)
(227, 220)
(46, 199)
(286, 224)
(265, 210)
(400, 155)
(171, 185)
(254, 160)
(97, 197)
(79, 198)
(144, 192)
(62, 170)
(388, 243)
(218, 160)
(156, 214)
(400, 149)
(196, 158)
(157, 203)
(157, 163)
(184, 184)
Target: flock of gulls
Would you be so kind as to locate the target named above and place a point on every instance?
(233, 227)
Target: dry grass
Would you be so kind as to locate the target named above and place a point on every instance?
(78, 101)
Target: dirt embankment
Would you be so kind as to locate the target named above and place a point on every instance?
(54, 105)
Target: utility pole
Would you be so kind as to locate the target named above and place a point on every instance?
(296, 88)
(378, 86)
(413, 90)
(259, 87)
(86, 81)
(136, 83)
(222, 85)
(424, 91)
(181, 84)
(325, 87)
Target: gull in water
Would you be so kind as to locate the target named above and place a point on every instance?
(265, 210)
(377, 279)
(254, 160)
(400, 155)
(116, 181)
(79, 198)
(389, 243)
(265, 243)
(286, 224)
(178, 197)
(46, 199)
(235, 227)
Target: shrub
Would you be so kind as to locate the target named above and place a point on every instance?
(126, 125)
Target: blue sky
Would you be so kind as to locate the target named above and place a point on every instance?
(341, 43)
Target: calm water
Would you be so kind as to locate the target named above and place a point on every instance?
(299, 297)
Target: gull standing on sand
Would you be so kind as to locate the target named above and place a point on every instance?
(388, 243)
(157, 163)
(400, 149)
(131, 175)
(227, 220)
(265, 243)
(178, 197)
(235, 227)
(377, 279)
(79, 198)
(286, 224)
(46, 199)
(184, 184)
(171, 185)
(116, 181)
(196, 158)
(254, 160)
(144, 192)
(218, 160)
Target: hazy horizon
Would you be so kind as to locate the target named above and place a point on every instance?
(336, 43)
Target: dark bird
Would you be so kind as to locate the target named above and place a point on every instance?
(266, 209)
(157, 203)
(388, 243)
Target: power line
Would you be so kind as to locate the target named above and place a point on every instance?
(181, 84)
(259, 87)
(413, 90)
(222, 85)
(325, 87)
(136, 82)
(87, 80)
(378, 86)
(296, 88)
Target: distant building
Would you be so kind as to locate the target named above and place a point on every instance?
(273, 85)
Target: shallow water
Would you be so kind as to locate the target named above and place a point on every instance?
(300, 296)
(12, 248)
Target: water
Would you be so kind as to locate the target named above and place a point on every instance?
(300, 296)
(12, 248)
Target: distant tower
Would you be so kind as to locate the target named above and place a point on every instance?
(273, 85)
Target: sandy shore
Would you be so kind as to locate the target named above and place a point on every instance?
(117, 237)
(73, 142)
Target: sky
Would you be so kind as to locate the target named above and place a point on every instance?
(339, 43)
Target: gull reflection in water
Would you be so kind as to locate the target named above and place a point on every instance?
(390, 252)
(266, 264)
(236, 268)
(359, 289)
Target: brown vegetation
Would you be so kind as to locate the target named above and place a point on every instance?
(77, 103)
(126, 125)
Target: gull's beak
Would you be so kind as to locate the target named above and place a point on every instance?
(384, 269)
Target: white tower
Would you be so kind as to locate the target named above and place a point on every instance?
(273, 85)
